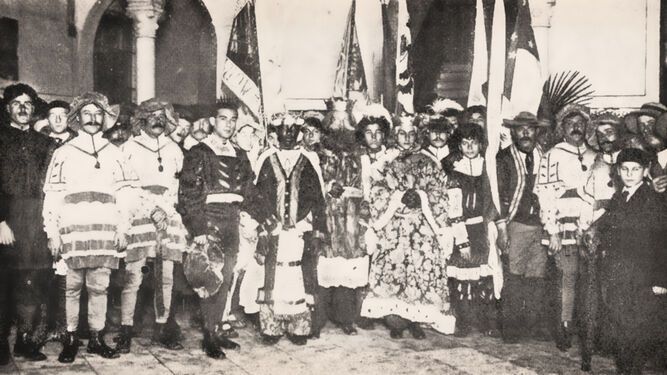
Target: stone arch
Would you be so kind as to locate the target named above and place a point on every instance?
(85, 46)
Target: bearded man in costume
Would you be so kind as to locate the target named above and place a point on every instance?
(291, 197)
(89, 194)
(417, 223)
(157, 233)
(25, 261)
(215, 188)
(563, 172)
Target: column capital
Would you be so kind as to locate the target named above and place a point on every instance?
(145, 14)
(541, 12)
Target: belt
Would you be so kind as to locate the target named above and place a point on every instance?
(474, 220)
(224, 198)
(155, 189)
(295, 263)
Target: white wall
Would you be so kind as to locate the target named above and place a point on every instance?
(615, 43)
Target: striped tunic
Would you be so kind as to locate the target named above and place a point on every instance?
(88, 200)
(158, 188)
(561, 177)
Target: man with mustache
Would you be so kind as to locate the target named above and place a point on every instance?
(157, 160)
(25, 261)
(563, 173)
(520, 232)
(89, 194)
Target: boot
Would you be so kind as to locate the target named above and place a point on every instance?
(165, 339)
(270, 340)
(124, 340)
(349, 329)
(564, 339)
(96, 345)
(70, 348)
(5, 355)
(25, 347)
(512, 309)
(416, 331)
(298, 340)
(211, 348)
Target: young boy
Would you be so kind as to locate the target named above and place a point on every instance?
(634, 264)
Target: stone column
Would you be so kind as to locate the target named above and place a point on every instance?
(145, 14)
(541, 12)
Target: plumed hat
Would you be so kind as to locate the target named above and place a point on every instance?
(101, 101)
(146, 110)
(597, 121)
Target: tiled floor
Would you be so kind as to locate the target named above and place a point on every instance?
(370, 352)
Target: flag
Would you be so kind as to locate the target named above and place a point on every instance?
(404, 81)
(350, 75)
(241, 74)
(523, 75)
(480, 62)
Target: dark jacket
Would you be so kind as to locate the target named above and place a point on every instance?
(24, 158)
(510, 170)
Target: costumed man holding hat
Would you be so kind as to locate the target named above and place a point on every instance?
(89, 194)
(157, 233)
(57, 118)
(215, 189)
(633, 274)
(563, 173)
(25, 260)
(291, 204)
(520, 231)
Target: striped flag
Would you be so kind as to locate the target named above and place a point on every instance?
(480, 63)
(523, 74)
(241, 74)
(404, 81)
(350, 75)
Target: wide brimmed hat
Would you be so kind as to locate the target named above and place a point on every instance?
(110, 111)
(603, 119)
(525, 119)
(655, 110)
(146, 110)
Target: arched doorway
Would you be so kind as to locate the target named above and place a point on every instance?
(113, 55)
(185, 63)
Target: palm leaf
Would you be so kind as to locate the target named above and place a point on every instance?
(563, 88)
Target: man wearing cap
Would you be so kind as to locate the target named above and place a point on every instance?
(89, 193)
(57, 119)
(215, 189)
(643, 122)
(520, 231)
(291, 194)
(157, 231)
(633, 265)
(562, 175)
(25, 260)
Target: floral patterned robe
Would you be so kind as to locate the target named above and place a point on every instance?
(413, 241)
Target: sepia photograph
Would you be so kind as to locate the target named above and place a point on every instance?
(330, 187)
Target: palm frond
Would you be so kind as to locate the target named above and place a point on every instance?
(563, 88)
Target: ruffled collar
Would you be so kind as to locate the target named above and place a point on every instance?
(471, 167)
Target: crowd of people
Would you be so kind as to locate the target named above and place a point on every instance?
(352, 217)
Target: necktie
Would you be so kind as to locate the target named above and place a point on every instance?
(529, 164)
(625, 194)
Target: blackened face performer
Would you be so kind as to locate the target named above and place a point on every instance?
(287, 136)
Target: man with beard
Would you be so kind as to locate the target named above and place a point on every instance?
(520, 232)
(57, 118)
(89, 193)
(25, 261)
(157, 160)
(291, 195)
(563, 173)
(215, 187)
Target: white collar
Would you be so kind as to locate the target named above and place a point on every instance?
(573, 149)
(22, 128)
(221, 147)
(471, 167)
(64, 136)
(631, 190)
(85, 141)
(153, 144)
(662, 158)
(439, 152)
